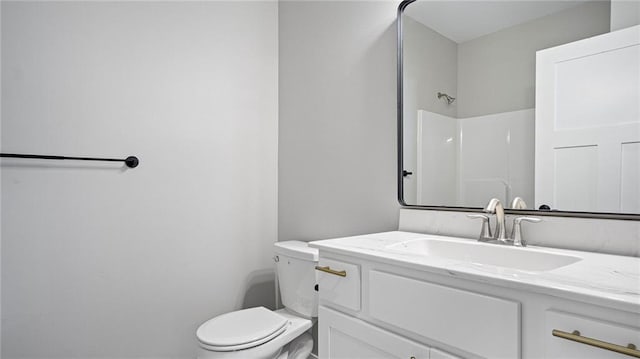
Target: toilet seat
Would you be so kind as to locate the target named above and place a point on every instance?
(241, 329)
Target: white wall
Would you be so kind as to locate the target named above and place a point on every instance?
(496, 72)
(337, 138)
(101, 261)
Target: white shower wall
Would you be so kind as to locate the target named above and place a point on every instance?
(437, 169)
(466, 161)
(497, 157)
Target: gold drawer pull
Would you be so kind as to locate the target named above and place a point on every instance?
(576, 337)
(327, 269)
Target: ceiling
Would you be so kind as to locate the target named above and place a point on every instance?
(462, 21)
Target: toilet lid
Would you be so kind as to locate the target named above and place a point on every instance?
(241, 329)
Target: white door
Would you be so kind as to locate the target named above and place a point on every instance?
(588, 124)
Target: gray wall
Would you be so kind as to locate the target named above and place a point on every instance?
(0, 189)
(100, 261)
(496, 72)
(624, 13)
(430, 66)
(337, 127)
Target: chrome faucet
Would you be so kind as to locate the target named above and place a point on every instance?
(495, 207)
(518, 203)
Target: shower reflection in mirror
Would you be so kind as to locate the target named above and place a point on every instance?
(480, 136)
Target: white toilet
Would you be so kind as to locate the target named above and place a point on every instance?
(258, 333)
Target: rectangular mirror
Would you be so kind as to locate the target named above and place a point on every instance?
(536, 103)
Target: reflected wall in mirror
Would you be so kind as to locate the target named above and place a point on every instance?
(483, 118)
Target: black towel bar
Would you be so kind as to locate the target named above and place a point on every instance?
(131, 161)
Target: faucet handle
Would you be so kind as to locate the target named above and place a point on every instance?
(518, 203)
(516, 232)
(485, 232)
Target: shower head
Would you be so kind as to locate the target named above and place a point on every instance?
(446, 97)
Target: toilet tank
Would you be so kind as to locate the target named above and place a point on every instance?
(295, 265)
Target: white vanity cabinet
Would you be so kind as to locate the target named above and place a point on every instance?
(393, 315)
(340, 283)
(451, 316)
(342, 336)
(608, 334)
(381, 309)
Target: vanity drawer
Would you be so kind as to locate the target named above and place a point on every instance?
(485, 326)
(339, 283)
(437, 354)
(341, 336)
(560, 338)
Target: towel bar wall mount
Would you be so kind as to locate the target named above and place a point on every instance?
(131, 161)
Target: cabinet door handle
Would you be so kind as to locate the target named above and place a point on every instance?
(576, 337)
(327, 269)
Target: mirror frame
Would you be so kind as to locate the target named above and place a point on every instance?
(555, 213)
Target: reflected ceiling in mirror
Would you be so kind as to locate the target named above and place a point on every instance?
(470, 106)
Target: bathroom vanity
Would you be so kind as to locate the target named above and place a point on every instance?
(411, 295)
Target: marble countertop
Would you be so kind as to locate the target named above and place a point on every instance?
(601, 279)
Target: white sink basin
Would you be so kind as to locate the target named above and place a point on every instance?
(526, 259)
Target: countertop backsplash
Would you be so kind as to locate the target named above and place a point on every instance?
(621, 237)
